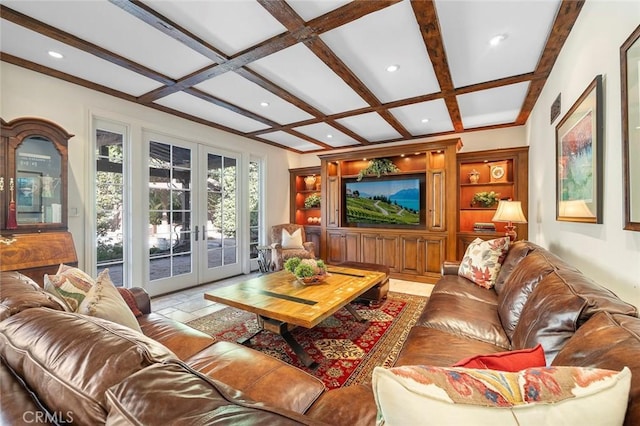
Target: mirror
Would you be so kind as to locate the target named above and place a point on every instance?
(630, 82)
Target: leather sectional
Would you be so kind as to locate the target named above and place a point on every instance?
(60, 367)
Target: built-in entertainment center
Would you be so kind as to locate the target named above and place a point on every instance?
(384, 220)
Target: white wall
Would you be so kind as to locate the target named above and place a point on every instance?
(27, 93)
(606, 253)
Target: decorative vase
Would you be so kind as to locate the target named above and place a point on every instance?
(474, 176)
(310, 182)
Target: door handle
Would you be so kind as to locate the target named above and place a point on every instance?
(196, 232)
(204, 232)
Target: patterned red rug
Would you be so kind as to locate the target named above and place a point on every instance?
(346, 350)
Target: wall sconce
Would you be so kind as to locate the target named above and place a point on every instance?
(510, 212)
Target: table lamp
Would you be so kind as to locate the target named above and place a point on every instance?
(510, 212)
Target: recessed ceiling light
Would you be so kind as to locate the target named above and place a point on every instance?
(401, 155)
(497, 39)
(393, 68)
(55, 54)
(329, 136)
(264, 104)
(424, 120)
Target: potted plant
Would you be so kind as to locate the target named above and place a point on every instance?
(485, 199)
(312, 200)
(378, 167)
(307, 271)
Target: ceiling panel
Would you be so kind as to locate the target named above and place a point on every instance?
(291, 141)
(197, 107)
(318, 66)
(302, 73)
(435, 112)
(312, 9)
(248, 95)
(326, 134)
(389, 37)
(110, 27)
(467, 27)
(370, 126)
(231, 26)
(26, 44)
(492, 106)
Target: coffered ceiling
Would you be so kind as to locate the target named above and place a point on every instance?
(304, 75)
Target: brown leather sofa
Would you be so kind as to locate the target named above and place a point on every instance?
(178, 375)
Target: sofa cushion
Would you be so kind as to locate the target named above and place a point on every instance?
(293, 240)
(513, 361)
(69, 360)
(518, 287)
(457, 396)
(18, 292)
(465, 317)
(461, 287)
(611, 342)
(259, 376)
(560, 303)
(104, 301)
(181, 339)
(174, 394)
(331, 408)
(517, 251)
(69, 283)
(130, 299)
(431, 346)
(482, 261)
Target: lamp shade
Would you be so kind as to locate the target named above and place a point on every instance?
(509, 211)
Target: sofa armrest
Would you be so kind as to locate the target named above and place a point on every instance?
(310, 246)
(142, 299)
(449, 267)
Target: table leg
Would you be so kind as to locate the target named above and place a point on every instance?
(355, 313)
(299, 350)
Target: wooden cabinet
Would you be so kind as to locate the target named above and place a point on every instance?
(380, 248)
(33, 198)
(306, 185)
(411, 250)
(313, 234)
(504, 172)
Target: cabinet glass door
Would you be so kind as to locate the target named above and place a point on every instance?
(38, 184)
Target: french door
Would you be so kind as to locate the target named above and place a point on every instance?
(193, 213)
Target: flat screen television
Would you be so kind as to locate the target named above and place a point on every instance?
(387, 201)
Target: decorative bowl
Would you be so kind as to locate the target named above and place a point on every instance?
(314, 280)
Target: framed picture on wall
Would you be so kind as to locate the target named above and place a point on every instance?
(28, 192)
(579, 159)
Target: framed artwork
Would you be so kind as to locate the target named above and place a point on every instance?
(630, 81)
(579, 159)
(28, 192)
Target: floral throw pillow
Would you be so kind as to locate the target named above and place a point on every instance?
(482, 261)
(70, 284)
(425, 395)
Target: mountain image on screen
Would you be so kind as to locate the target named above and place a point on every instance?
(384, 202)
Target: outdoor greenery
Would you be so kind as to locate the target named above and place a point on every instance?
(378, 167)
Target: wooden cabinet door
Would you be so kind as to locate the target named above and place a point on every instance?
(313, 234)
(436, 200)
(335, 247)
(434, 251)
(333, 202)
(410, 254)
(351, 247)
(369, 252)
(388, 251)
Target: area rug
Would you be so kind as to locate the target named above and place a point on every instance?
(346, 350)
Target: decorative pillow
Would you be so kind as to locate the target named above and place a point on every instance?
(292, 241)
(104, 301)
(482, 261)
(513, 361)
(454, 396)
(130, 300)
(69, 284)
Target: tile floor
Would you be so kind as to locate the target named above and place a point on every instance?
(189, 304)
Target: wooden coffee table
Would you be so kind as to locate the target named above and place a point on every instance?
(282, 303)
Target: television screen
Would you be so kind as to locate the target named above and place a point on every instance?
(380, 201)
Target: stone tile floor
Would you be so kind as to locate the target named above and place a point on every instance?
(190, 304)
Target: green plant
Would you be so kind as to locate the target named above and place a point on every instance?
(304, 270)
(292, 263)
(378, 167)
(312, 200)
(485, 199)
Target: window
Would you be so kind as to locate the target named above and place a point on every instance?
(255, 203)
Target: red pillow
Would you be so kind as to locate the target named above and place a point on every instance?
(512, 361)
(130, 299)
